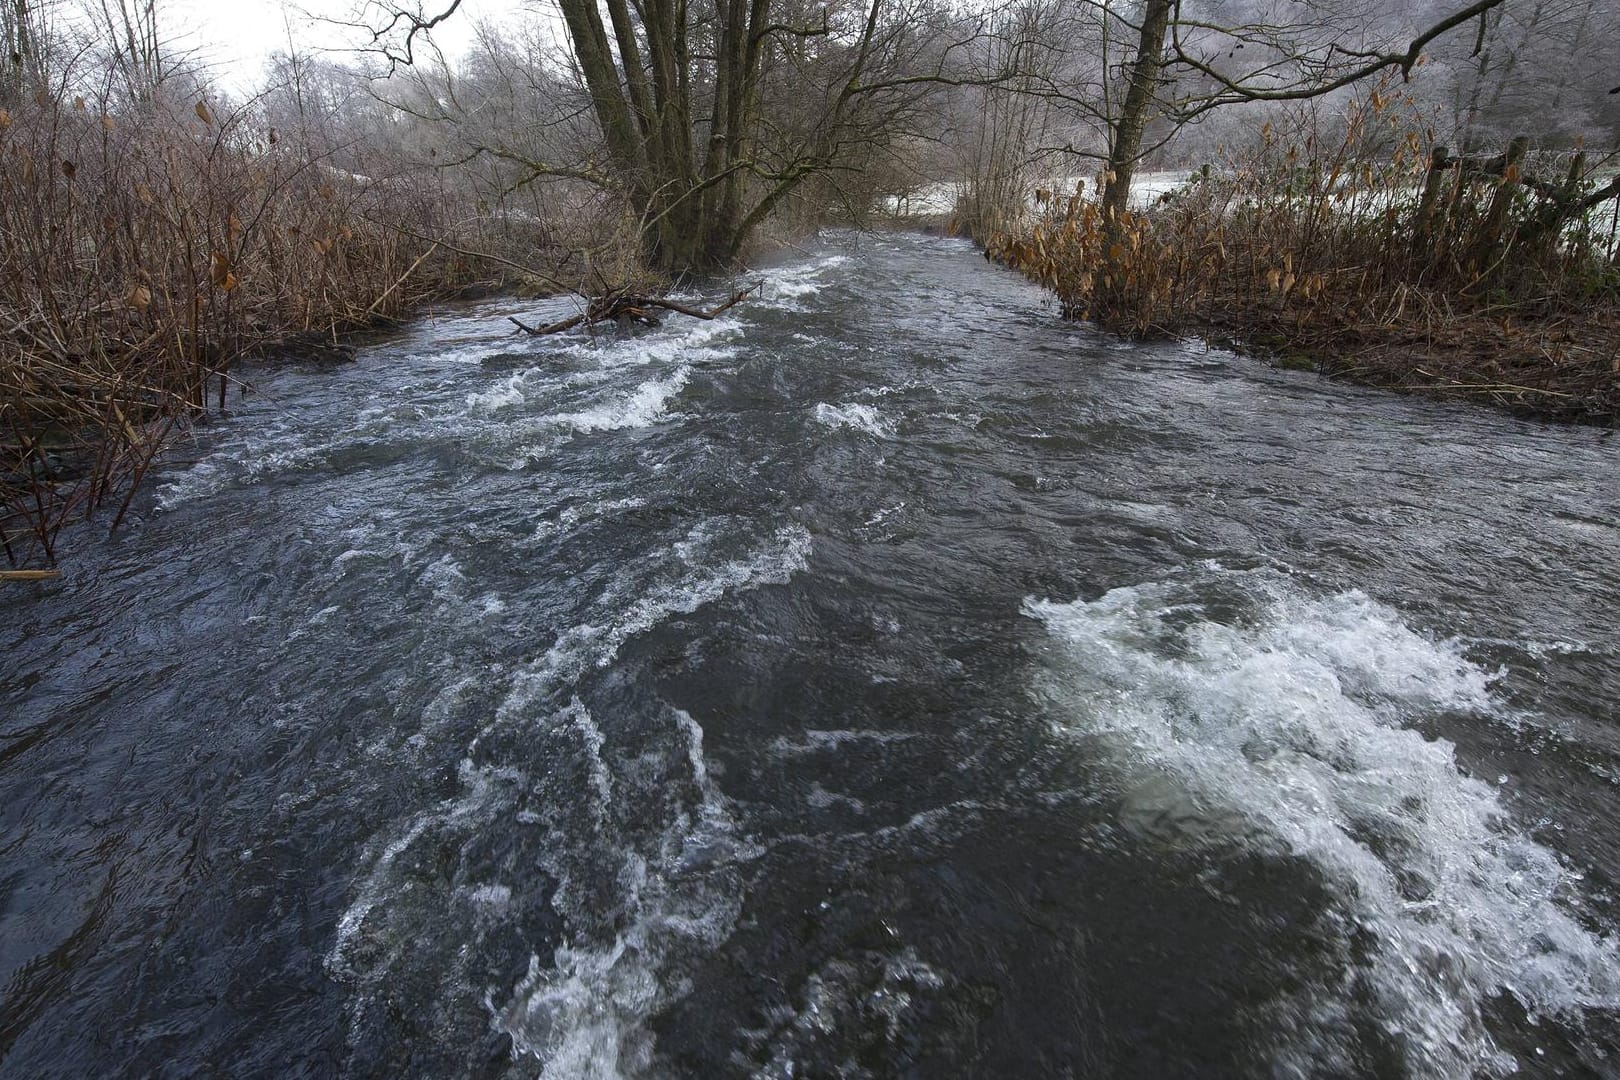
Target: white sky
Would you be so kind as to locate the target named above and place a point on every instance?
(233, 37)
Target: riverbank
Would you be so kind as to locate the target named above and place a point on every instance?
(1563, 367)
(1488, 297)
(147, 249)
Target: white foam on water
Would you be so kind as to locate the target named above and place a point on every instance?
(856, 417)
(583, 1011)
(906, 387)
(683, 341)
(693, 342)
(490, 896)
(225, 469)
(643, 406)
(884, 514)
(476, 804)
(806, 279)
(483, 413)
(868, 998)
(575, 652)
(506, 393)
(584, 1015)
(593, 741)
(1290, 731)
(821, 798)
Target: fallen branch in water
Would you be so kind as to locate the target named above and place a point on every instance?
(29, 575)
(553, 328)
(623, 306)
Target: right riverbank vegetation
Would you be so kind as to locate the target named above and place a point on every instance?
(1421, 196)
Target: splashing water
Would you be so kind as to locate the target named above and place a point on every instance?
(1289, 725)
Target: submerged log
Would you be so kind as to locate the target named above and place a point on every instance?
(622, 306)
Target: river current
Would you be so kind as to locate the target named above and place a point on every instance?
(884, 679)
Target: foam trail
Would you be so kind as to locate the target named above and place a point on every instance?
(571, 516)
(1285, 729)
(584, 1016)
(471, 809)
(591, 645)
(644, 879)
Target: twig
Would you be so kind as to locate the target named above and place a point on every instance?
(620, 304)
(377, 303)
(669, 305)
(554, 328)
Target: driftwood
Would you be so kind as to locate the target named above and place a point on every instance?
(625, 307)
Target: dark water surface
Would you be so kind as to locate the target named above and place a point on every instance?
(885, 679)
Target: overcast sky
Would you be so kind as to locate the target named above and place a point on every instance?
(235, 36)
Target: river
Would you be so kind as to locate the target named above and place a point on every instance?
(883, 679)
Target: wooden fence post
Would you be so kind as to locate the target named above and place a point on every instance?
(1491, 239)
(1439, 162)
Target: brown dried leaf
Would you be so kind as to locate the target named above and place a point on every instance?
(139, 298)
(203, 114)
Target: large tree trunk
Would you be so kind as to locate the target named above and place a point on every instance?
(595, 56)
(1110, 276)
(1125, 146)
(690, 212)
(697, 206)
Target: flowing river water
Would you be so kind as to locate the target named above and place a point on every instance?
(883, 679)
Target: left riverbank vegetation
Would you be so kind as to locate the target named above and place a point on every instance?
(156, 229)
(158, 226)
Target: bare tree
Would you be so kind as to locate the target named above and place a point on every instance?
(711, 114)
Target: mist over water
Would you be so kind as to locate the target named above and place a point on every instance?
(885, 679)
